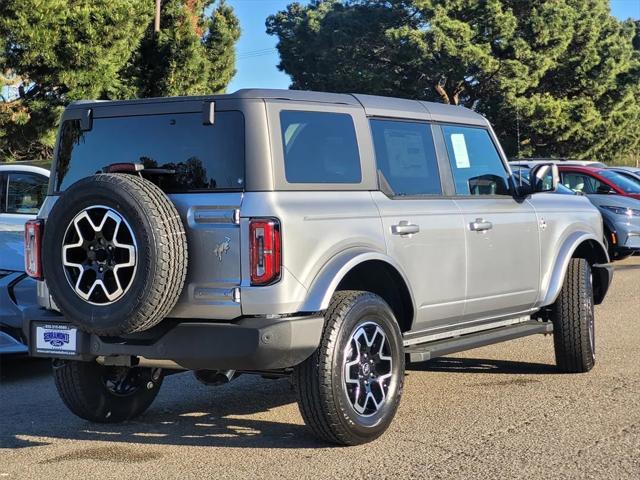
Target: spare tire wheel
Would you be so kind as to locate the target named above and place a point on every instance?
(115, 254)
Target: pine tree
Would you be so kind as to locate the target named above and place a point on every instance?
(565, 71)
(192, 54)
(53, 52)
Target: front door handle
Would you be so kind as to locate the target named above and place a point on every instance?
(404, 228)
(480, 225)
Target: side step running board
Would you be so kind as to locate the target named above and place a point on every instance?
(426, 351)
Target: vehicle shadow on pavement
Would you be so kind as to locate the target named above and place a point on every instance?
(185, 413)
(480, 365)
(21, 368)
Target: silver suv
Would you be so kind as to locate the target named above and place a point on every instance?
(325, 237)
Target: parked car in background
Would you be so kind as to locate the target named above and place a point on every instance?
(521, 177)
(601, 181)
(620, 217)
(22, 191)
(629, 172)
(532, 162)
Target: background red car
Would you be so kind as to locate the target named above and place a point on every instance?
(593, 180)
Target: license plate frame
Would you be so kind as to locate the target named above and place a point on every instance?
(55, 339)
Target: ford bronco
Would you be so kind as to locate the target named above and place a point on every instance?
(326, 237)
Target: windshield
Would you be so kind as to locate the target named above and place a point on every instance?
(627, 184)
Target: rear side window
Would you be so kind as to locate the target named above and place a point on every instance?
(477, 167)
(192, 157)
(319, 147)
(406, 156)
(25, 193)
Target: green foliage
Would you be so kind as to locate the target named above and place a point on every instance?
(53, 52)
(191, 55)
(564, 73)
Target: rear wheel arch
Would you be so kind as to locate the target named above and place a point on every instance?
(379, 277)
(352, 270)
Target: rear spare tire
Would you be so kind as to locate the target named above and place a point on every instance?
(114, 254)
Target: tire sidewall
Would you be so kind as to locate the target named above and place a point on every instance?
(83, 194)
(96, 402)
(368, 308)
(588, 311)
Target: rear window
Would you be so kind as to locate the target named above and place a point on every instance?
(191, 156)
(319, 147)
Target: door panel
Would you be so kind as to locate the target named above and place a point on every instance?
(503, 267)
(503, 245)
(424, 232)
(433, 258)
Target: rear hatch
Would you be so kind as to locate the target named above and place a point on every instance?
(199, 165)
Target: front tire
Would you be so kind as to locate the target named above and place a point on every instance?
(105, 394)
(573, 320)
(350, 388)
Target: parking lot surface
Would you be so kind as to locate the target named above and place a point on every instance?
(501, 411)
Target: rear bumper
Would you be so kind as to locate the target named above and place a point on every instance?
(248, 344)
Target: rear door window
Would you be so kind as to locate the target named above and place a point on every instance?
(406, 156)
(319, 147)
(191, 156)
(25, 193)
(475, 162)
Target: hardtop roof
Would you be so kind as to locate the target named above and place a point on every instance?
(372, 104)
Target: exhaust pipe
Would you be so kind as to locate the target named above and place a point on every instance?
(214, 378)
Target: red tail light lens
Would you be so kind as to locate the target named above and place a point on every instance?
(32, 241)
(264, 234)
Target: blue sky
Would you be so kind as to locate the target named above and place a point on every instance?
(257, 57)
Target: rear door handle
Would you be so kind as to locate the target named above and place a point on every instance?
(480, 225)
(404, 228)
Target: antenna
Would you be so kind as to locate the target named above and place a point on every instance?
(518, 129)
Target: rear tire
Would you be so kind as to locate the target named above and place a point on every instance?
(573, 320)
(350, 388)
(93, 392)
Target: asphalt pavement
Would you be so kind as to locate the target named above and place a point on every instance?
(497, 412)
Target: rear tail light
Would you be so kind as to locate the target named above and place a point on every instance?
(264, 234)
(32, 241)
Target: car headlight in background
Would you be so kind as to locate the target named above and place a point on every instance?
(628, 212)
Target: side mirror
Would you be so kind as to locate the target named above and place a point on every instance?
(544, 177)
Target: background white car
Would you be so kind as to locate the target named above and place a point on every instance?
(22, 190)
